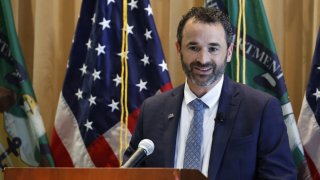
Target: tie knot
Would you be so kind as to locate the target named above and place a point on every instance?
(197, 105)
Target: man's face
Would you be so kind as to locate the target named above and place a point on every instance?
(204, 53)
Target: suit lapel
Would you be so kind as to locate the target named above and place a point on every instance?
(228, 107)
(172, 114)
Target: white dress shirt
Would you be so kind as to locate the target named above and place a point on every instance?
(211, 99)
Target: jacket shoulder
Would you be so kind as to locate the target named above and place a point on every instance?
(168, 94)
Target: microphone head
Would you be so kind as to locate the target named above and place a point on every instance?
(147, 145)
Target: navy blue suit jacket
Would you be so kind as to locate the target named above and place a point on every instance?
(250, 142)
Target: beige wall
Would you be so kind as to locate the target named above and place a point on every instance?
(46, 28)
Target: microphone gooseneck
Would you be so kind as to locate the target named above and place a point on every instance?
(145, 148)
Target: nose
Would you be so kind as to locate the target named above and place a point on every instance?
(203, 56)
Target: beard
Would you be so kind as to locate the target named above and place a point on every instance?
(203, 80)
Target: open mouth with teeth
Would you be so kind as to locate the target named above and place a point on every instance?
(202, 70)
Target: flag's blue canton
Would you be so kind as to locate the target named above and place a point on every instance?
(92, 87)
(313, 88)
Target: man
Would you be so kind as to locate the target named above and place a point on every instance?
(242, 133)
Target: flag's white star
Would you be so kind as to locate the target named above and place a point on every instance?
(117, 80)
(105, 23)
(113, 105)
(92, 100)
(110, 1)
(133, 4)
(124, 54)
(142, 85)
(93, 19)
(88, 124)
(100, 49)
(79, 94)
(145, 60)
(149, 10)
(96, 75)
(84, 69)
(129, 29)
(317, 94)
(88, 44)
(147, 34)
(163, 65)
(318, 67)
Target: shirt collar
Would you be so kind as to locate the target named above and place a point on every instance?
(210, 98)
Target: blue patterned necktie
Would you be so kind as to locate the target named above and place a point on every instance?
(192, 155)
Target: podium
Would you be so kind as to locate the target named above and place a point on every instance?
(11, 173)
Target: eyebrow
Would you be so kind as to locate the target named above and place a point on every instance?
(192, 43)
(214, 44)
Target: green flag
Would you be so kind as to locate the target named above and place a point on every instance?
(261, 68)
(23, 140)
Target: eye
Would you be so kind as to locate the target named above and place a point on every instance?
(213, 49)
(194, 48)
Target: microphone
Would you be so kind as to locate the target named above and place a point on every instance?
(219, 117)
(145, 148)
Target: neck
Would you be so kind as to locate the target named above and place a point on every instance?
(199, 91)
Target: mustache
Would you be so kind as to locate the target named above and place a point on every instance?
(198, 64)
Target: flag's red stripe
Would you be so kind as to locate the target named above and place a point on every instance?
(101, 153)
(166, 87)
(60, 154)
(133, 117)
(313, 170)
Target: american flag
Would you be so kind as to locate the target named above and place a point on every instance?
(309, 120)
(116, 61)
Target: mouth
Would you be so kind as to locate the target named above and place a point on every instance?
(202, 70)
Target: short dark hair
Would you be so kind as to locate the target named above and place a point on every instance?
(206, 15)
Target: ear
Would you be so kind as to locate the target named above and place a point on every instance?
(229, 52)
(178, 47)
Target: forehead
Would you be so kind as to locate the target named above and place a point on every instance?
(197, 30)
